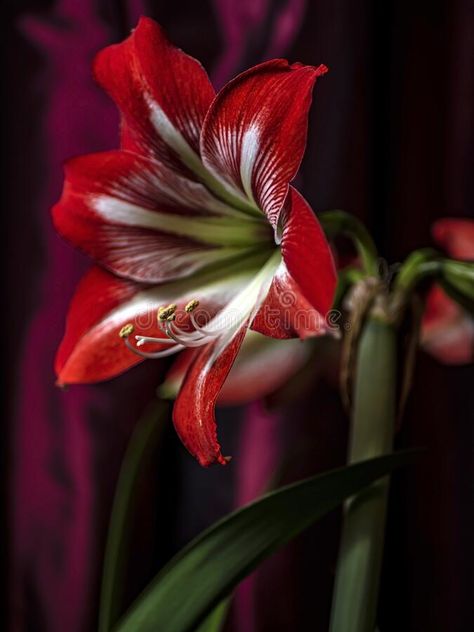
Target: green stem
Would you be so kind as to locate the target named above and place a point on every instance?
(140, 451)
(360, 558)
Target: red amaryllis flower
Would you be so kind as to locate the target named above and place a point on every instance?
(194, 219)
(447, 329)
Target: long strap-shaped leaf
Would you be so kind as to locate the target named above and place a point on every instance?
(203, 573)
(215, 621)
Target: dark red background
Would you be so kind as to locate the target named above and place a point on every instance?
(391, 140)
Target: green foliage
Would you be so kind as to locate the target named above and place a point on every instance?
(185, 592)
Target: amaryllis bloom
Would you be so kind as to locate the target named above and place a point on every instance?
(196, 231)
(447, 329)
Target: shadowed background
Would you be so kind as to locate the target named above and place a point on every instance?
(391, 139)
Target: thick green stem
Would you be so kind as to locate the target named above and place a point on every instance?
(360, 558)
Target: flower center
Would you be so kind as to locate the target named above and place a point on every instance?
(174, 335)
(228, 319)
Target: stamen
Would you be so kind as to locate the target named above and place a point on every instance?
(172, 334)
(187, 335)
(164, 313)
(167, 315)
(141, 340)
(196, 325)
(202, 329)
(126, 330)
(176, 337)
(191, 306)
(153, 355)
(189, 340)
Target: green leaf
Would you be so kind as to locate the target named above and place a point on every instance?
(206, 571)
(458, 281)
(338, 222)
(347, 277)
(215, 621)
(140, 451)
(418, 266)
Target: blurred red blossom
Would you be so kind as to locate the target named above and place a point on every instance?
(447, 329)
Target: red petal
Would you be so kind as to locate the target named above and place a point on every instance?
(254, 135)
(286, 313)
(307, 254)
(456, 236)
(160, 91)
(262, 366)
(123, 242)
(89, 352)
(194, 414)
(447, 331)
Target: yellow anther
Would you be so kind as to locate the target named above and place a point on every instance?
(191, 306)
(164, 313)
(126, 330)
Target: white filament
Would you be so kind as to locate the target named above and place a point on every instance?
(224, 325)
(153, 355)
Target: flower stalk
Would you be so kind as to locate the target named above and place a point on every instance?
(373, 419)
